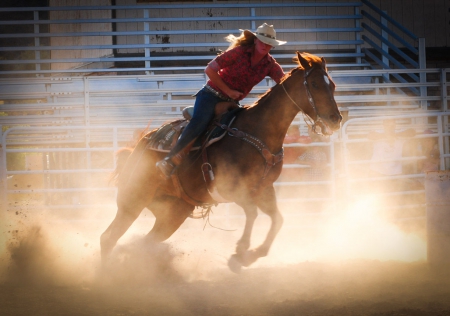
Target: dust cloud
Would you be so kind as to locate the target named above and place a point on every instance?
(346, 260)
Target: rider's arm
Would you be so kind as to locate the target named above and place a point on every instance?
(212, 71)
(276, 73)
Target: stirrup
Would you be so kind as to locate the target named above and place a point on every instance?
(166, 167)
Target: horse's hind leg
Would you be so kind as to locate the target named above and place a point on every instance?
(170, 213)
(127, 212)
(268, 204)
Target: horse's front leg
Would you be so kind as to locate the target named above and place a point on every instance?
(268, 204)
(251, 212)
(235, 262)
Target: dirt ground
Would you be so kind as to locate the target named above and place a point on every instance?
(351, 288)
(49, 265)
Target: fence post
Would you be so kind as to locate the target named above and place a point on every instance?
(358, 35)
(385, 36)
(37, 53)
(3, 177)
(385, 49)
(253, 13)
(147, 41)
(423, 75)
(444, 108)
(444, 94)
(437, 189)
(87, 119)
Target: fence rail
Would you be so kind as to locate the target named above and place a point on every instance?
(76, 173)
(153, 100)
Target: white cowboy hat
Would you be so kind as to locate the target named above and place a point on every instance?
(266, 34)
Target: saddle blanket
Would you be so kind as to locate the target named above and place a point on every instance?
(167, 135)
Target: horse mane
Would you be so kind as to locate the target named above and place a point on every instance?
(312, 59)
(263, 96)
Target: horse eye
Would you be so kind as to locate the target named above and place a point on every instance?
(314, 84)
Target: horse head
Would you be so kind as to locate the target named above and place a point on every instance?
(320, 106)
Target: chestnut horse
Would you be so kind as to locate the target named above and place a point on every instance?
(245, 164)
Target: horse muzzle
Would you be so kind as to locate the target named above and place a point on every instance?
(329, 126)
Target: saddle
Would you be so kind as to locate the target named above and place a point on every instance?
(165, 138)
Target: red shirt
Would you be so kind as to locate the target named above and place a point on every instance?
(236, 70)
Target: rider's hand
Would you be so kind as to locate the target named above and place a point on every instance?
(234, 94)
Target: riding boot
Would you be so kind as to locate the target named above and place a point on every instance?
(168, 165)
(203, 113)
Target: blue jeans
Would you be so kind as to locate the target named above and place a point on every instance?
(205, 103)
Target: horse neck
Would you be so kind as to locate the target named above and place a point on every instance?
(275, 112)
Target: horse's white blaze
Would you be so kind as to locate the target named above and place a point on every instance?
(326, 79)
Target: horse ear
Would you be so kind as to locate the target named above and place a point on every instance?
(305, 64)
(324, 64)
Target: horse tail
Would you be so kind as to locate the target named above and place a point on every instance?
(123, 153)
(122, 156)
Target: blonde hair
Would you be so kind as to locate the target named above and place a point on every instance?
(245, 39)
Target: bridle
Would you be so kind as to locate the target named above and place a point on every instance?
(308, 120)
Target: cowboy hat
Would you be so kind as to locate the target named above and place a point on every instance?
(266, 34)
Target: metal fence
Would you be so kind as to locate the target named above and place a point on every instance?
(63, 168)
(66, 142)
(142, 100)
(60, 130)
(427, 151)
(66, 169)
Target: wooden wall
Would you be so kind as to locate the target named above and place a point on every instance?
(81, 27)
(425, 18)
(232, 25)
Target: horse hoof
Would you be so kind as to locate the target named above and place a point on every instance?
(234, 264)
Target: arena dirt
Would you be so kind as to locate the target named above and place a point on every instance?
(342, 264)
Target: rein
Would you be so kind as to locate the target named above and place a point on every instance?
(308, 120)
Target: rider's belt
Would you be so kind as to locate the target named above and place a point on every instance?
(218, 94)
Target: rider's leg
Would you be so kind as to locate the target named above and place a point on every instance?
(203, 114)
